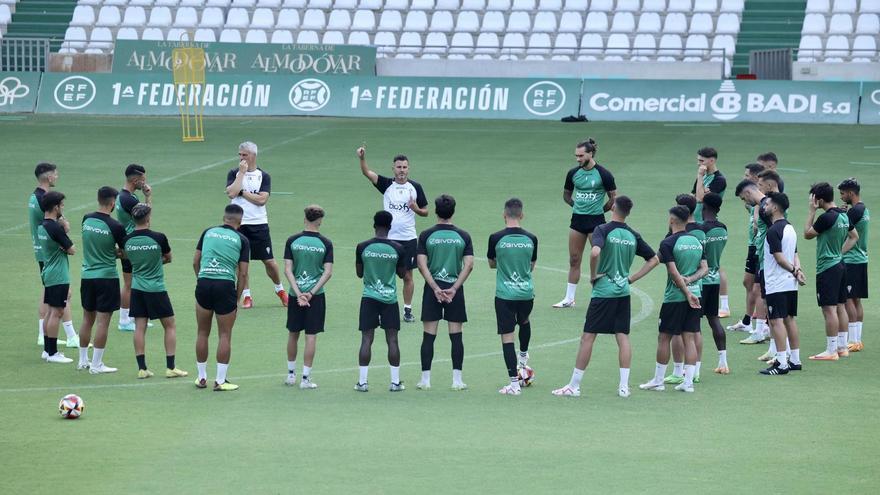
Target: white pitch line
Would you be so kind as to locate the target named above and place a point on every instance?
(165, 180)
(691, 125)
(864, 163)
(872, 147)
(646, 310)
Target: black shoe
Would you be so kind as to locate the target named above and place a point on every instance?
(774, 370)
(795, 367)
(408, 316)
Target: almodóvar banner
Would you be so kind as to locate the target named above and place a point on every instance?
(247, 58)
(721, 101)
(18, 91)
(345, 96)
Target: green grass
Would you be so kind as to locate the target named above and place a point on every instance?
(811, 432)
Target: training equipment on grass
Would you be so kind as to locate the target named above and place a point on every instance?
(71, 406)
(526, 376)
(189, 81)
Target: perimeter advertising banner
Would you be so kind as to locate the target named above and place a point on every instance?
(870, 110)
(721, 101)
(346, 96)
(131, 56)
(18, 91)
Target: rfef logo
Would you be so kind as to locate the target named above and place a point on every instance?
(544, 98)
(309, 95)
(75, 92)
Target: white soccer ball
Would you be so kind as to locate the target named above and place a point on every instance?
(526, 376)
(71, 406)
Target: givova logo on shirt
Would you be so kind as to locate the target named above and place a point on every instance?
(434, 241)
(374, 254)
(311, 249)
(96, 230)
(145, 247)
(624, 242)
(381, 288)
(516, 245)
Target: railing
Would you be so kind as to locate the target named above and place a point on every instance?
(24, 54)
(836, 55)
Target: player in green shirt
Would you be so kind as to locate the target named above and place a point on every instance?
(55, 247)
(685, 261)
(379, 262)
(713, 245)
(445, 257)
(751, 266)
(834, 235)
(615, 246)
(308, 265)
(135, 180)
(585, 189)
(856, 260)
(710, 179)
(148, 251)
(513, 252)
(221, 268)
(102, 240)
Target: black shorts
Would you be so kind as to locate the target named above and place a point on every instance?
(409, 252)
(752, 260)
(126, 265)
(710, 300)
(831, 286)
(782, 304)
(378, 314)
(857, 281)
(585, 223)
(260, 240)
(56, 295)
(216, 295)
(759, 279)
(99, 294)
(678, 317)
(509, 314)
(453, 311)
(309, 318)
(608, 315)
(150, 305)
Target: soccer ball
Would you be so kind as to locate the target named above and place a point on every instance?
(71, 406)
(526, 376)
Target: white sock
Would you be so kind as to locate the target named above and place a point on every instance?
(725, 303)
(68, 330)
(42, 332)
(689, 372)
(842, 339)
(677, 368)
(795, 356)
(83, 354)
(576, 377)
(697, 368)
(772, 349)
(659, 373)
(124, 319)
(246, 293)
(782, 359)
(395, 374)
(291, 367)
(514, 383)
(853, 331)
(97, 357)
(279, 288)
(363, 374)
(456, 376)
(409, 307)
(203, 370)
(307, 371)
(221, 373)
(759, 326)
(722, 359)
(624, 377)
(859, 331)
(426, 377)
(831, 344)
(570, 291)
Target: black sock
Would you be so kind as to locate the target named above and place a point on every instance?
(50, 345)
(427, 350)
(142, 361)
(525, 335)
(457, 350)
(747, 319)
(169, 362)
(509, 351)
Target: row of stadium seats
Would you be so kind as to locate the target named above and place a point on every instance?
(842, 6)
(837, 48)
(841, 24)
(417, 21)
(709, 6)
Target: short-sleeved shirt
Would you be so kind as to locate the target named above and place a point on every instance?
(308, 251)
(588, 189)
(35, 218)
(714, 182)
(144, 249)
(619, 244)
(860, 217)
(514, 250)
(223, 248)
(124, 204)
(101, 234)
(832, 227)
(781, 238)
(713, 244)
(445, 246)
(381, 258)
(686, 251)
(257, 181)
(395, 200)
(764, 223)
(54, 244)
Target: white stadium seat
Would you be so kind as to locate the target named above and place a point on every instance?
(452, 5)
(576, 5)
(153, 34)
(268, 4)
(416, 21)
(206, 35)
(602, 6)
(245, 4)
(617, 47)
(709, 6)
(623, 22)
(230, 36)
(177, 34)
(422, 5)
(473, 5)
(627, 6)
(649, 22)
(735, 6)
(519, 22)
(847, 6)
(461, 44)
(109, 2)
(565, 43)
(134, 17)
(728, 23)
(493, 22)
(869, 7)
(696, 48)
(680, 6)
(675, 24)
(836, 48)
(487, 43)
(818, 6)
(410, 43)
(550, 5)
(314, 19)
(127, 33)
(864, 49)
(282, 37)
(192, 3)
(256, 36)
(263, 18)
(345, 4)
(364, 20)
(109, 16)
(237, 17)
(868, 24)
(297, 4)
(436, 43)
(137, 3)
(539, 44)
(441, 22)
(527, 5)
(592, 45)
(513, 44)
(307, 38)
(654, 6)
(545, 22)
(503, 5)
(83, 15)
(186, 17)
(669, 48)
(571, 22)
(467, 22)
(160, 17)
(597, 22)
(318, 4)
(167, 3)
(339, 20)
(370, 4)
(287, 19)
(75, 38)
(809, 49)
(101, 38)
(644, 47)
(723, 43)
(814, 24)
(396, 4)
(217, 3)
(333, 38)
(358, 38)
(212, 17)
(390, 21)
(840, 24)
(701, 24)
(385, 42)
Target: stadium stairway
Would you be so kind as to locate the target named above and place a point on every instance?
(768, 24)
(41, 19)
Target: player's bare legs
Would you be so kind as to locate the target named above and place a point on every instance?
(576, 243)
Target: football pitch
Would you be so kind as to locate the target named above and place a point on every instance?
(808, 432)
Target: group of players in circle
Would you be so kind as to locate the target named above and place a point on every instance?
(444, 256)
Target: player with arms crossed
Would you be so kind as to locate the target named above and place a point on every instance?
(682, 253)
(445, 259)
(585, 189)
(249, 186)
(135, 180)
(856, 260)
(148, 251)
(404, 198)
(615, 245)
(308, 265)
(55, 247)
(379, 261)
(513, 252)
(221, 260)
(102, 239)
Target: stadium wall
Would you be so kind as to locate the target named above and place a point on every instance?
(549, 68)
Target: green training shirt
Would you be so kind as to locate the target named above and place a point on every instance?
(619, 244)
(832, 227)
(101, 234)
(53, 244)
(144, 249)
(589, 188)
(514, 250)
(860, 217)
(686, 251)
(124, 203)
(35, 218)
(713, 244)
(445, 246)
(223, 248)
(308, 251)
(381, 259)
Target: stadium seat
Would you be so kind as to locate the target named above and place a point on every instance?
(186, 18)
(644, 47)
(269, 4)
(696, 48)
(519, 22)
(467, 22)
(436, 43)
(627, 6)
(864, 49)
(212, 17)
(565, 44)
(550, 5)
(333, 38)
(134, 17)
(106, 2)
(314, 19)
(809, 49)
(451, 5)
(256, 36)
(487, 43)
(237, 17)
(669, 48)
(602, 6)
(441, 22)
(493, 22)
(623, 22)
(364, 20)
(192, 3)
(153, 34)
(868, 24)
(127, 33)
(75, 38)
(422, 5)
(109, 16)
(177, 34)
(723, 46)
(654, 6)
(701, 24)
(83, 15)
(571, 22)
(370, 4)
(545, 22)
(282, 37)
(287, 19)
(728, 23)
(526, 5)
(416, 21)
(245, 4)
(206, 35)
(339, 20)
(814, 24)
(592, 46)
(345, 4)
(840, 24)
(100, 39)
(576, 5)
(390, 21)
(735, 6)
(319, 4)
(160, 17)
(836, 48)
(136, 3)
(869, 7)
(818, 6)
(307, 37)
(263, 18)
(675, 24)
(396, 4)
(166, 3)
(461, 44)
(708, 6)
(410, 42)
(649, 22)
(539, 44)
(386, 43)
(680, 6)
(502, 5)
(293, 4)
(473, 5)
(597, 22)
(358, 38)
(617, 47)
(217, 3)
(847, 6)
(513, 44)
(230, 36)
